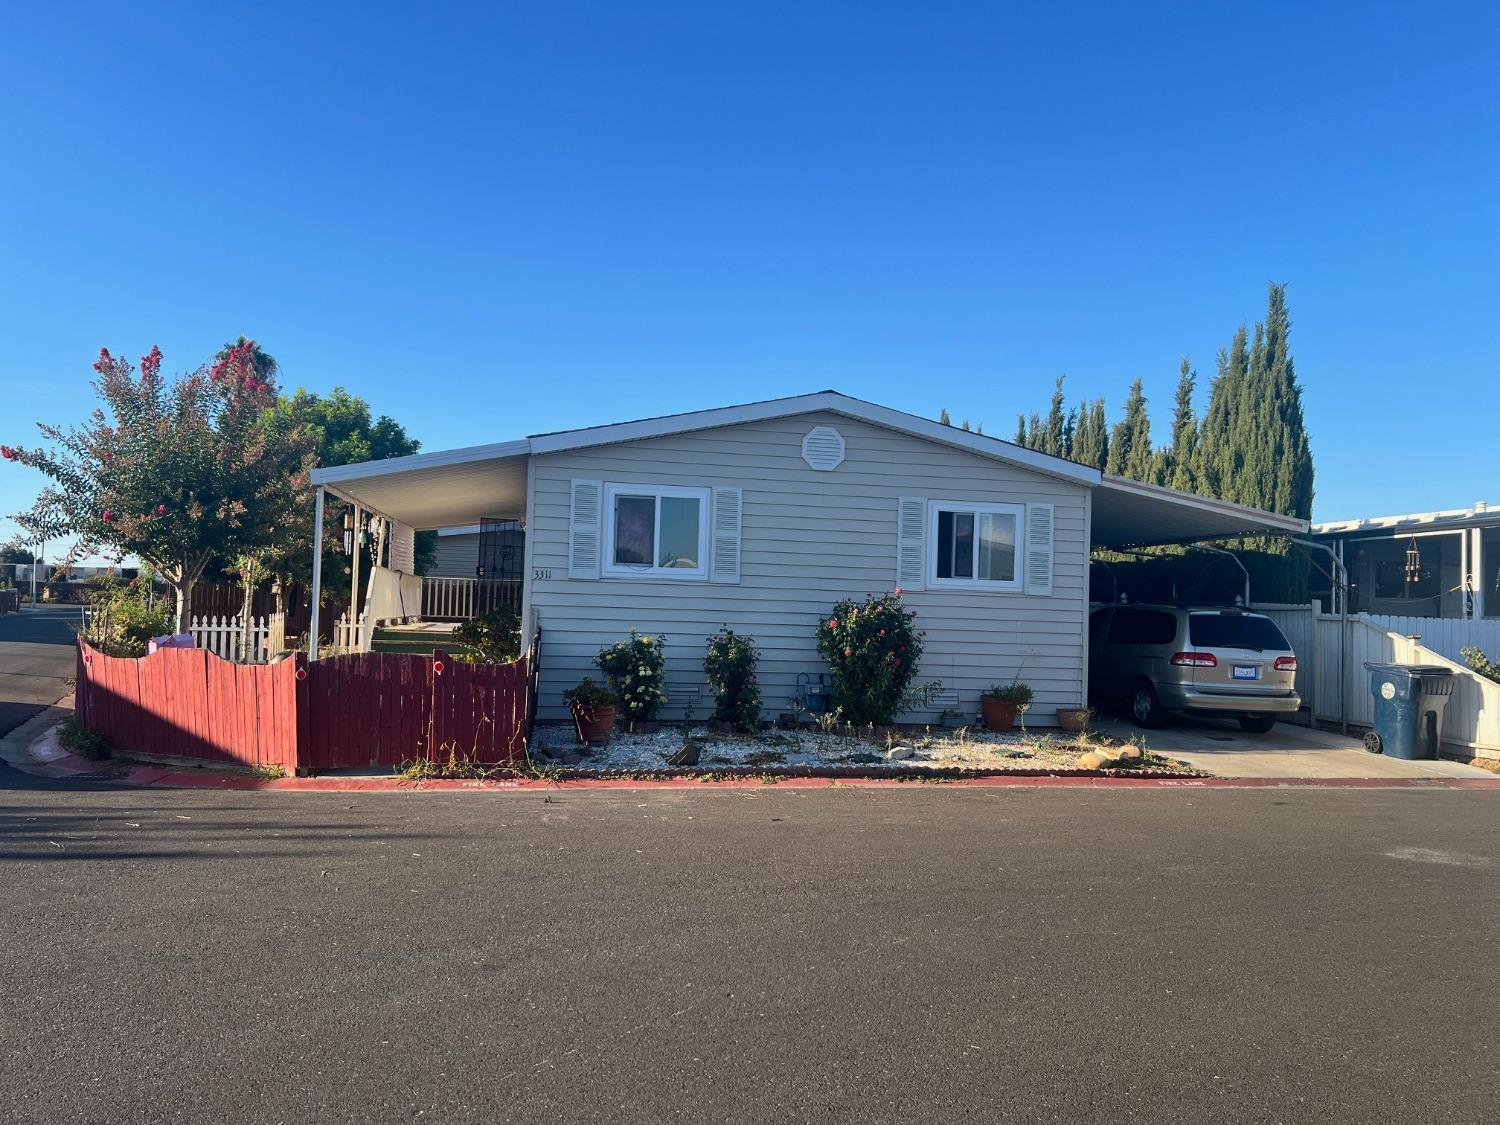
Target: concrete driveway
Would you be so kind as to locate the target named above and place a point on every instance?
(1223, 749)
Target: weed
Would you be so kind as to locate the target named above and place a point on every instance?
(268, 771)
(764, 757)
(80, 740)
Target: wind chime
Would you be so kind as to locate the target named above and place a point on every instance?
(1413, 563)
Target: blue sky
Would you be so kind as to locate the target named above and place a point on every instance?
(492, 219)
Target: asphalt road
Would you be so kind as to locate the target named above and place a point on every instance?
(36, 661)
(921, 954)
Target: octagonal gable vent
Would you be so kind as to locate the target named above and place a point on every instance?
(823, 448)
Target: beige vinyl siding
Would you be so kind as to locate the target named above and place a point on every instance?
(809, 538)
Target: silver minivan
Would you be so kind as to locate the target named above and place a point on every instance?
(1154, 658)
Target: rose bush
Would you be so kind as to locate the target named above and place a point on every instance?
(730, 669)
(636, 669)
(872, 649)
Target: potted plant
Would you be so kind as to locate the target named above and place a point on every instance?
(1001, 702)
(594, 708)
(1075, 720)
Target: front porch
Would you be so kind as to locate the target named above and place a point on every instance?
(400, 611)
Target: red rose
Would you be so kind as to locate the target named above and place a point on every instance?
(897, 659)
(161, 509)
(898, 591)
(848, 652)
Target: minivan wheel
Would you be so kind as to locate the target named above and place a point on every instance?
(1145, 708)
(1257, 724)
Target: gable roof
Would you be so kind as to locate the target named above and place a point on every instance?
(831, 402)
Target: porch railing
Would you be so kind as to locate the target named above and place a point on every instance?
(459, 599)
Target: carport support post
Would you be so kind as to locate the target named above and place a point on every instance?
(317, 577)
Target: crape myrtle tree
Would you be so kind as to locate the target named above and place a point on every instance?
(178, 472)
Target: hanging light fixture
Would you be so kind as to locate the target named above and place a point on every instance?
(1413, 563)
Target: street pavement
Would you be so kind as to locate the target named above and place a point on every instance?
(36, 661)
(924, 953)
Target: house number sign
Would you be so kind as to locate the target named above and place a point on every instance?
(540, 572)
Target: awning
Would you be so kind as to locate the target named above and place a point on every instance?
(435, 490)
(1128, 513)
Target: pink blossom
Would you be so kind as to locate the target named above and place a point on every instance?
(161, 509)
(151, 363)
(7, 452)
(897, 659)
(898, 591)
(108, 515)
(848, 652)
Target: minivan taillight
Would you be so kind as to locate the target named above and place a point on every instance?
(1194, 660)
(1285, 664)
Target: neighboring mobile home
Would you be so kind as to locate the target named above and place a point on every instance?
(762, 516)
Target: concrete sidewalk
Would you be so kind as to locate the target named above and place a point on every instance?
(1287, 751)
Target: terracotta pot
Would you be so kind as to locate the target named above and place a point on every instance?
(999, 714)
(594, 724)
(1074, 719)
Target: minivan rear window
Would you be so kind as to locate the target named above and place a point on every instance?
(1234, 630)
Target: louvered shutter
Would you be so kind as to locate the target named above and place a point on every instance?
(403, 548)
(1039, 521)
(585, 539)
(911, 543)
(728, 516)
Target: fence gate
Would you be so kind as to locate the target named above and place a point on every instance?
(499, 569)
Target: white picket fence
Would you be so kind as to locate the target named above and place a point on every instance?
(222, 636)
(1335, 685)
(351, 636)
(219, 635)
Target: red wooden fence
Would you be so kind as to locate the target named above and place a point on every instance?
(369, 709)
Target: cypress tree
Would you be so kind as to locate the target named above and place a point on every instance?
(1179, 459)
(1091, 436)
(943, 418)
(1022, 439)
(1052, 434)
(1130, 451)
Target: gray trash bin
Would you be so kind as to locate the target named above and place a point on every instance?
(1409, 704)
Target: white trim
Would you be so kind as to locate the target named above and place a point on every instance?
(1018, 548)
(611, 569)
(395, 465)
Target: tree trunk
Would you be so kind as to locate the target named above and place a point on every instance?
(184, 588)
(246, 652)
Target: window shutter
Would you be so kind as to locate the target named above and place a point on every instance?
(1039, 520)
(585, 540)
(728, 515)
(911, 543)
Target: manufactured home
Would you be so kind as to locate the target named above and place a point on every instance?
(761, 517)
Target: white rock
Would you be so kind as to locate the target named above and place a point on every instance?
(899, 753)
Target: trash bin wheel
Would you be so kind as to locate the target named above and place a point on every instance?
(1372, 742)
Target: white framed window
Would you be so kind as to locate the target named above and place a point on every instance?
(655, 531)
(976, 545)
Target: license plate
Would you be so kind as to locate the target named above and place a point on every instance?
(1246, 672)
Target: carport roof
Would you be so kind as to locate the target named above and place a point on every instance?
(1128, 513)
(457, 487)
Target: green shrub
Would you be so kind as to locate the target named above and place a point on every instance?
(637, 670)
(77, 738)
(1014, 692)
(872, 649)
(493, 638)
(730, 668)
(124, 622)
(1477, 660)
(589, 695)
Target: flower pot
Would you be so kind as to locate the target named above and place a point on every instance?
(594, 724)
(999, 714)
(1074, 719)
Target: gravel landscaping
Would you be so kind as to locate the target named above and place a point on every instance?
(905, 750)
